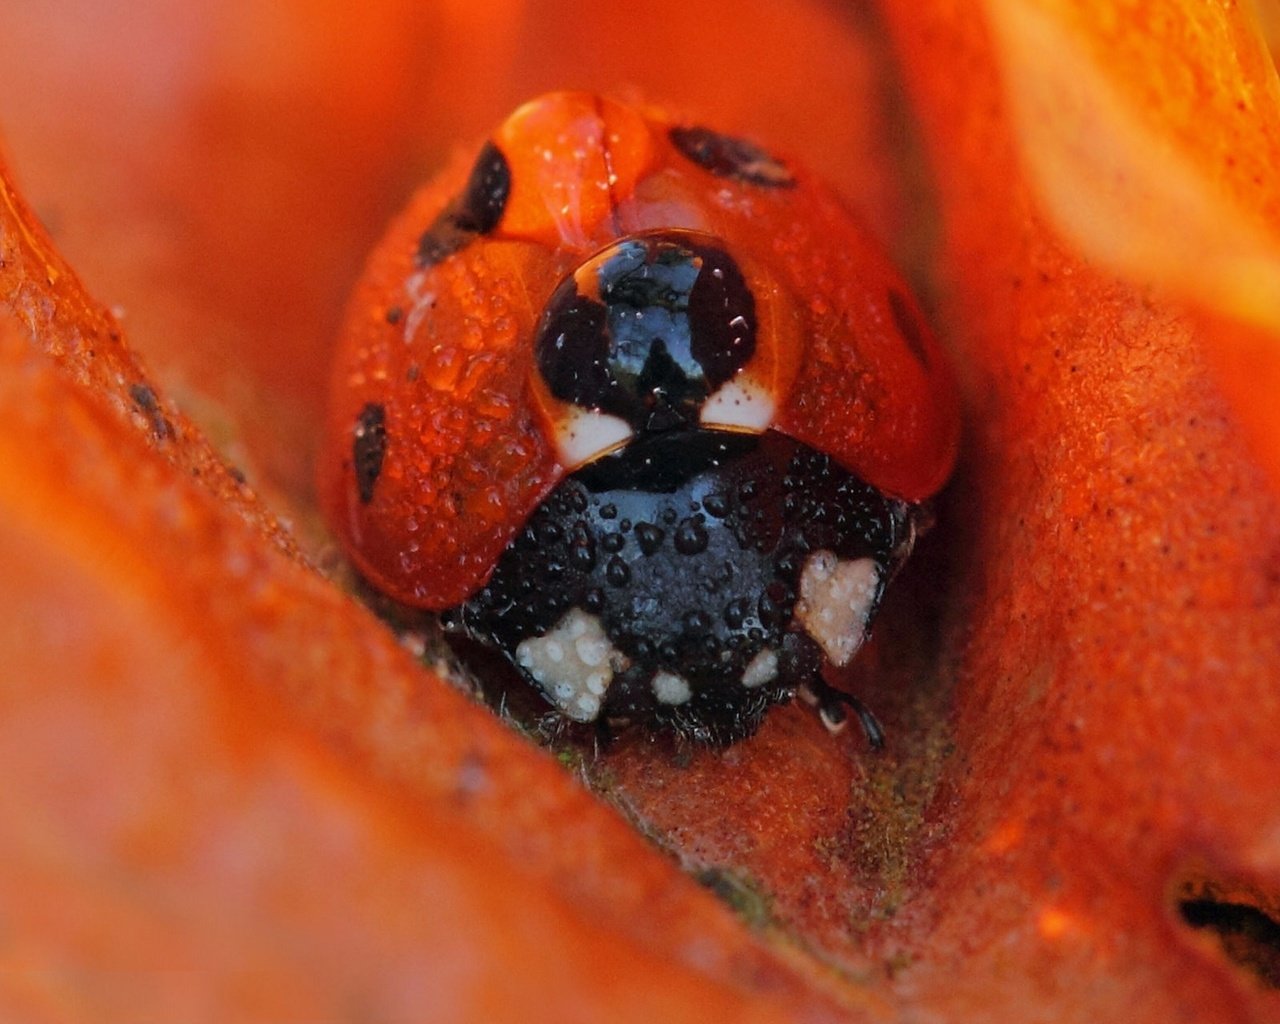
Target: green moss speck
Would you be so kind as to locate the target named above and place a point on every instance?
(740, 893)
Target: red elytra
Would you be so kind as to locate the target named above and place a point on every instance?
(444, 351)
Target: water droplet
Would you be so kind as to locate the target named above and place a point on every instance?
(617, 572)
(691, 538)
(582, 556)
(735, 613)
(716, 505)
(650, 537)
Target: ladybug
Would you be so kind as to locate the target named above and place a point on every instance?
(640, 406)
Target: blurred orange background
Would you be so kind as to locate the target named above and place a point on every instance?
(233, 793)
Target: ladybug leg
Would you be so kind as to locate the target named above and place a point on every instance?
(604, 735)
(830, 704)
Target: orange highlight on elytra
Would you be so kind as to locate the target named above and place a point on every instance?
(570, 155)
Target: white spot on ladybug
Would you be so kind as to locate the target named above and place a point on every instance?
(573, 664)
(836, 600)
(584, 434)
(670, 688)
(740, 403)
(763, 668)
(592, 650)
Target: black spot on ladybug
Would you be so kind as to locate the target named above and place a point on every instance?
(394, 315)
(145, 399)
(368, 446)
(728, 157)
(485, 196)
(441, 240)
(475, 212)
(647, 329)
(672, 607)
(908, 326)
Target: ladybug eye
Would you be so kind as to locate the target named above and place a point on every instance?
(647, 329)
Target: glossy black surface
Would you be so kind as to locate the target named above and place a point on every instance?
(648, 328)
(475, 212)
(688, 546)
(729, 157)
